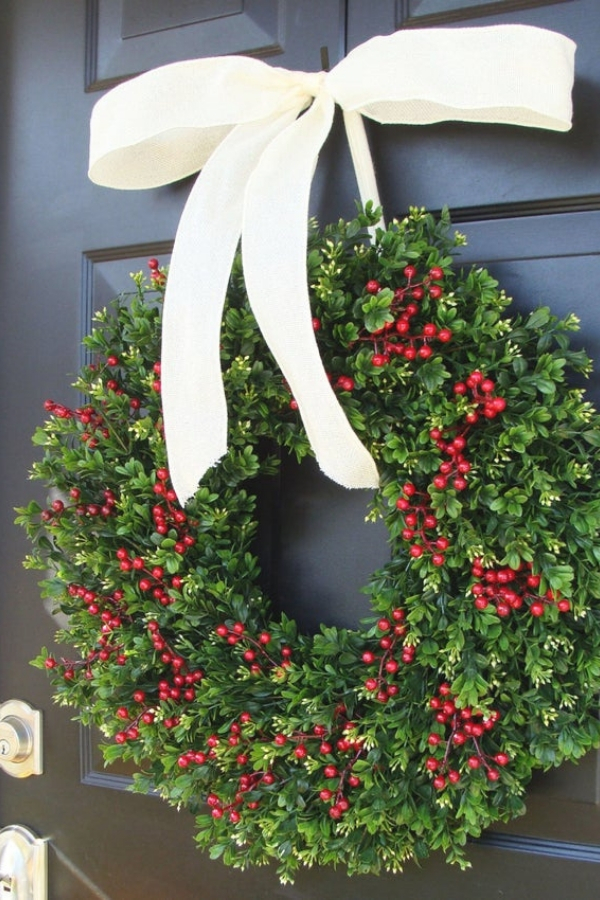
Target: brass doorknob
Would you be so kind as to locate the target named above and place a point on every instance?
(20, 739)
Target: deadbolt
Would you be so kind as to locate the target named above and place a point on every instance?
(20, 739)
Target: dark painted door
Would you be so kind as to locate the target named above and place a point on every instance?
(530, 203)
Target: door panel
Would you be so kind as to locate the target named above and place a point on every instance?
(530, 204)
(125, 37)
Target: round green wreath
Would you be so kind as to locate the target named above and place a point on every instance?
(481, 661)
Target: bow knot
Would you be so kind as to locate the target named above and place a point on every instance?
(311, 82)
(256, 133)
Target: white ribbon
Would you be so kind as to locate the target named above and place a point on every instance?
(239, 120)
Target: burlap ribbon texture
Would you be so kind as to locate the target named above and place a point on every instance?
(254, 132)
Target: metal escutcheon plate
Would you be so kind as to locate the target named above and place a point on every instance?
(20, 739)
(23, 865)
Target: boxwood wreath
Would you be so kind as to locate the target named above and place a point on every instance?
(481, 659)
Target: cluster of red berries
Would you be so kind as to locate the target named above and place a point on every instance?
(509, 589)
(104, 508)
(341, 740)
(342, 776)
(94, 423)
(168, 515)
(401, 337)
(181, 688)
(157, 277)
(150, 579)
(248, 783)
(254, 649)
(112, 613)
(482, 392)
(467, 728)
(388, 663)
(419, 519)
(338, 773)
(455, 469)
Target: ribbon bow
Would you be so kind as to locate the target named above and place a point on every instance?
(239, 121)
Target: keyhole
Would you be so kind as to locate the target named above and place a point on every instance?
(7, 885)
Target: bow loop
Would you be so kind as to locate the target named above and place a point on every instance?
(256, 131)
(511, 74)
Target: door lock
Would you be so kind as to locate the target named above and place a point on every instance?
(20, 741)
(23, 865)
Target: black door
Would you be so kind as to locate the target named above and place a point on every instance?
(530, 205)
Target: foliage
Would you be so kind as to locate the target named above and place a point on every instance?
(481, 661)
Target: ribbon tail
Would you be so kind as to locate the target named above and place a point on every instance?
(193, 397)
(274, 254)
(363, 162)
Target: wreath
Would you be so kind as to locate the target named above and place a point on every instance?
(481, 660)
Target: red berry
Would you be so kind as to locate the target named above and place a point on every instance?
(372, 287)
(439, 782)
(410, 272)
(436, 273)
